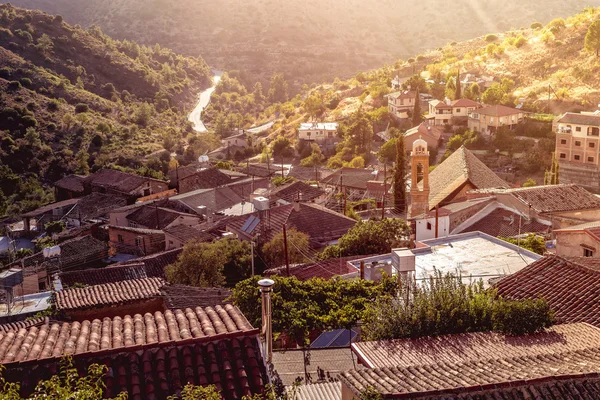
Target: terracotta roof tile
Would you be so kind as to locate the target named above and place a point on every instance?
(186, 233)
(309, 173)
(297, 191)
(153, 217)
(73, 183)
(498, 111)
(108, 294)
(571, 289)
(326, 269)
(461, 167)
(65, 204)
(183, 296)
(117, 180)
(355, 178)
(318, 391)
(203, 178)
(55, 339)
(465, 103)
(475, 347)
(506, 223)
(580, 119)
(96, 205)
(468, 366)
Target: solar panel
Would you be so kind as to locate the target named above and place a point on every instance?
(253, 225)
(325, 338)
(247, 223)
(343, 339)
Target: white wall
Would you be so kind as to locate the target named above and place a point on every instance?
(422, 233)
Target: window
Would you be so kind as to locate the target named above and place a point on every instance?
(593, 131)
(577, 129)
(330, 134)
(577, 143)
(563, 141)
(592, 145)
(133, 224)
(170, 243)
(577, 158)
(563, 155)
(588, 253)
(42, 286)
(590, 159)
(139, 241)
(120, 238)
(458, 110)
(429, 226)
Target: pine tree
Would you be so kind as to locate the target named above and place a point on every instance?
(551, 177)
(592, 38)
(400, 176)
(457, 92)
(417, 118)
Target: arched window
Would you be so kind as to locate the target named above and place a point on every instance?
(419, 172)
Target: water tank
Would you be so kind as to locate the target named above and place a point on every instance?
(203, 159)
(50, 252)
(261, 203)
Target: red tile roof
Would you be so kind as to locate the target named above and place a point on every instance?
(498, 111)
(74, 183)
(506, 223)
(477, 346)
(465, 103)
(475, 363)
(571, 289)
(108, 294)
(186, 233)
(297, 191)
(56, 339)
(203, 178)
(153, 217)
(121, 181)
(150, 356)
(183, 296)
(326, 269)
(355, 178)
(580, 119)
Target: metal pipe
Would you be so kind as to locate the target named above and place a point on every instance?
(266, 287)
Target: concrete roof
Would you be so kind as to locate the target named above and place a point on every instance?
(28, 304)
(474, 255)
(326, 126)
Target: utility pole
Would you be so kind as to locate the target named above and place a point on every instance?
(384, 191)
(437, 211)
(282, 173)
(157, 217)
(252, 250)
(285, 249)
(342, 190)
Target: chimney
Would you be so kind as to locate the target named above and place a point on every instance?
(362, 270)
(296, 205)
(266, 286)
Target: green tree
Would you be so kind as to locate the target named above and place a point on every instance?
(259, 97)
(238, 259)
(417, 117)
(315, 159)
(457, 91)
(298, 249)
(370, 237)
(45, 44)
(387, 152)
(400, 177)
(358, 132)
(199, 264)
(499, 92)
(278, 90)
(443, 304)
(32, 138)
(82, 166)
(54, 227)
(592, 38)
(281, 147)
(552, 176)
(531, 242)
(313, 105)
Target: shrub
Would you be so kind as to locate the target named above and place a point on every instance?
(520, 41)
(491, 37)
(536, 25)
(26, 82)
(81, 108)
(5, 72)
(53, 105)
(556, 25)
(14, 85)
(521, 317)
(51, 127)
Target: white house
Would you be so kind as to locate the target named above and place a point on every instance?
(325, 134)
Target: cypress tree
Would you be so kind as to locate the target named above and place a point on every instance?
(400, 176)
(417, 118)
(457, 92)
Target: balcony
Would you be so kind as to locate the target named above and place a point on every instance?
(564, 129)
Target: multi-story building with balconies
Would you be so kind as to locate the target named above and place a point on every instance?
(578, 149)
(489, 119)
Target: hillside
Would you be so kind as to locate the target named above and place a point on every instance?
(308, 40)
(74, 99)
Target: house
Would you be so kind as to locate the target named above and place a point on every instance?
(297, 191)
(137, 241)
(93, 207)
(208, 201)
(110, 299)
(355, 179)
(241, 139)
(473, 255)
(401, 103)
(433, 135)
(259, 170)
(450, 112)
(48, 213)
(154, 217)
(267, 223)
(449, 182)
(150, 355)
(177, 236)
(559, 206)
(79, 253)
(187, 179)
(577, 149)
(569, 285)
(309, 174)
(488, 120)
(579, 240)
(123, 183)
(324, 134)
(69, 187)
(559, 363)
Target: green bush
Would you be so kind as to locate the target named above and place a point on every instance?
(520, 41)
(81, 108)
(536, 25)
(491, 37)
(556, 25)
(26, 82)
(53, 105)
(14, 85)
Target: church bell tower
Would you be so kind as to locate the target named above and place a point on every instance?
(419, 186)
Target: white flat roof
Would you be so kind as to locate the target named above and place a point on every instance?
(30, 303)
(474, 255)
(326, 126)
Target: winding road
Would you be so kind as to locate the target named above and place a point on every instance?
(196, 115)
(204, 98)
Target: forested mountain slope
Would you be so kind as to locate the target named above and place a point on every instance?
(74, 99)
(308, 40)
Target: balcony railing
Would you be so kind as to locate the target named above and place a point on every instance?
(564, 129)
